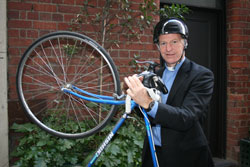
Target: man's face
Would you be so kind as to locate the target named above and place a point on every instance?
(171, 47)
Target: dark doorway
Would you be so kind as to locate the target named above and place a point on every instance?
(207, 47)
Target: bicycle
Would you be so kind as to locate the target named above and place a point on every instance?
(70, 76)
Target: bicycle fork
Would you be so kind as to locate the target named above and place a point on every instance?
(115, 129)
(108, 139)
(150, 139)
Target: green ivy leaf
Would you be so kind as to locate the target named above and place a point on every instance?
(114, 149)
(40, 163)
(41, 143)
(130, 156)
(28, 127)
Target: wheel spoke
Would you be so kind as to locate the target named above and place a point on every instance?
(57, 61)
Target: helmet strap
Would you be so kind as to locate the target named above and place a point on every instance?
(183, 51)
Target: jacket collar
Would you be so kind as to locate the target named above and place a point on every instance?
(179, 79)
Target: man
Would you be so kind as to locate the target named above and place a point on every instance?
(176, 120)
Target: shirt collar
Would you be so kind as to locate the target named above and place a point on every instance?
(176, 68)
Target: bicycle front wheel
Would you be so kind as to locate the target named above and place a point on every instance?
(59, 60)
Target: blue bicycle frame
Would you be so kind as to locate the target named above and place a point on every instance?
(111, 100)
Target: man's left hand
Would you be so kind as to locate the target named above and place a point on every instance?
(137, 91)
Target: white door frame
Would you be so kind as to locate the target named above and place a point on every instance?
(4, 146)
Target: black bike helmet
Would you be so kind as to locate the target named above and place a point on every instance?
(170, 26)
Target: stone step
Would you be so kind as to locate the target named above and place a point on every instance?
(224, 163)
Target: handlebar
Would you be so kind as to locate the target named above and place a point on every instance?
(151, 67)
(150, 79)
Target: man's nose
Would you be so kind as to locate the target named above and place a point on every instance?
(169, 47)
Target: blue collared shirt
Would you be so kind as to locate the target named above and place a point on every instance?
(168, 78)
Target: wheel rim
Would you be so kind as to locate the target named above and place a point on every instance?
(56, 62)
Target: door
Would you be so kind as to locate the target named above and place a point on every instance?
(206, 47)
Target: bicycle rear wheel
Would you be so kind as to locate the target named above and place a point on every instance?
(56, 61)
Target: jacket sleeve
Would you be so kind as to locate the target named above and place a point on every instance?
(190, 103)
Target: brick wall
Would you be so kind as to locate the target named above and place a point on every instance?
(30, 19)
(238, 72)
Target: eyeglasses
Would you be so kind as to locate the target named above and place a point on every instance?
(172, 43)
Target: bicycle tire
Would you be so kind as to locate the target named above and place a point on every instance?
(51, 63)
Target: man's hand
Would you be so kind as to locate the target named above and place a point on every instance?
(137, 91)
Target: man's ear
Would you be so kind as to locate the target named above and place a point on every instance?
(158, 47)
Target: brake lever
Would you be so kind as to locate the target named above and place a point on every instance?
(151, 66)
(160, 85)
